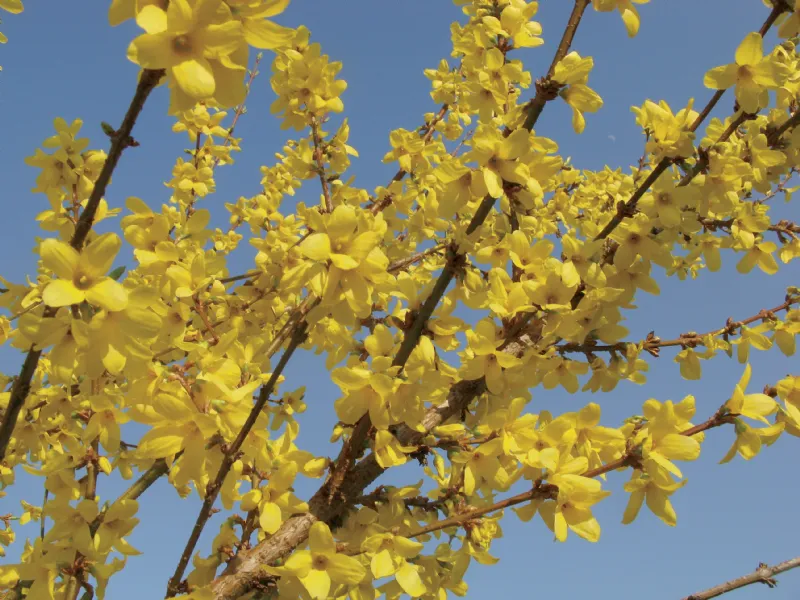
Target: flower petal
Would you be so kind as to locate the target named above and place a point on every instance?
(317, 246)
(59, 257)
(61, 292)
(108, 294)
(318, 584)
(223, 39)
(267, 35)
(97, 257)
(195, 77)
(409, 579)
(320, 539)
(751, 50)
(720, 78)
(346, 569)
(153, 51)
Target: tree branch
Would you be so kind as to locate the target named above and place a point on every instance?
(231, 454)
(627, 208)
(542, 490)
(763, 574)
(119, 141)
(545, 88)
(687, 340)
(427, 133)
(348, 480)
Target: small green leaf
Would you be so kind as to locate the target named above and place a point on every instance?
(108, 129)
(117, 273)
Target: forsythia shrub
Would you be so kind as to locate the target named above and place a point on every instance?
(483, 213)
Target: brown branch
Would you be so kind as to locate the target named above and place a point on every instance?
(401, 264)
(763, 574)
(320, 160)
(77, 578)
(397, 265)
(248, 275)
(120, 140)
(231, 454)
(428, 130)
(653, 343)
(546, 89)
(626, 209)
(200, 309)
(774, 136)
(241, 109)
(246, 569)
(542, 490)
(348, 480)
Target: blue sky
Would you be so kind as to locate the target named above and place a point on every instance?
(64, 60)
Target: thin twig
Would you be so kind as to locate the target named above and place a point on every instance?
(626, 209)
(545, 490)
(546, 89)
(427, 134)
(320, 160)
(763, 574)
(231, 455)
(401, 264)
(652, 343)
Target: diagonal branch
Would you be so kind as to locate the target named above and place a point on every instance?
(542, 491)
(627, 208)
(653, 343)
(427, 134)
(348, 480)
(231, 455)
(763, 574)
(545, 89)
(120, 140)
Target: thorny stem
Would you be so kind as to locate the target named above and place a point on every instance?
(119, 141)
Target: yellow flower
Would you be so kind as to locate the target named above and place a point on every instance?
(12, 6)
(193, 41)
(482, 466)
(626, 9)
(82, 276)
(389, 557)
(752, 406)
(484, 359)
(752, 74)
(318, 567)
(572, 510)
(669, 132)
(749, 440)
(258, 31)
(497, 158)
(356, 260)
(791, 26)
(643, 488)
(573, 71)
